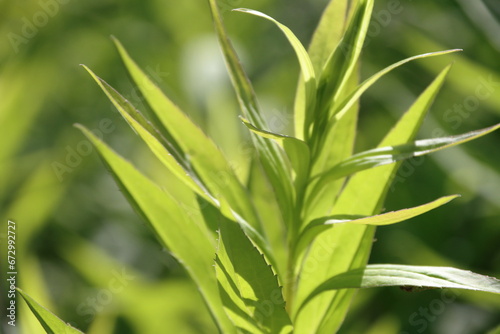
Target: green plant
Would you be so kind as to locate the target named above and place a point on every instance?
(285, 250)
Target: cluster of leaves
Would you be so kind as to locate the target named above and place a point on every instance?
(288, 256)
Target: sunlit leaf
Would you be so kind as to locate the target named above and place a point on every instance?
(249, 288)
(152, 138)
(379, 275)
(356, 94)
(307, 69)
(390, 154)
(320, 225)
(189, 242)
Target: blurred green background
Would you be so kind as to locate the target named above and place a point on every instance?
(81, 250)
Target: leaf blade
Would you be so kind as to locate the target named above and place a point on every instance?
(391, 154)
(409, 276)
(338, 69)
(306, 66)
(356, 94)
(323, 224)
(50, 322)
(253, 281)
(152, 138)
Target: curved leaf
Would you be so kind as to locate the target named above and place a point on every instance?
(302, 55)
(320, 225)
(379, 275)
(307, 69)
(391, 154)
(356, 94)
(388, 218)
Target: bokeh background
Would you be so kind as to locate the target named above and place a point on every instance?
(84, 254)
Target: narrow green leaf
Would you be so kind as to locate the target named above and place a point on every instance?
(279, 138)
(206, 158)
(391, 217)
(302, 55)
(320, 225)
(50, 322)
(249, 286)
(152, 138)
(390, 154)
(356, 94)
(189, 242)
(307, 69)
(124, 106)
(379, 275)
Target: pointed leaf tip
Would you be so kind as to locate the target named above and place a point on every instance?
(49, 321)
